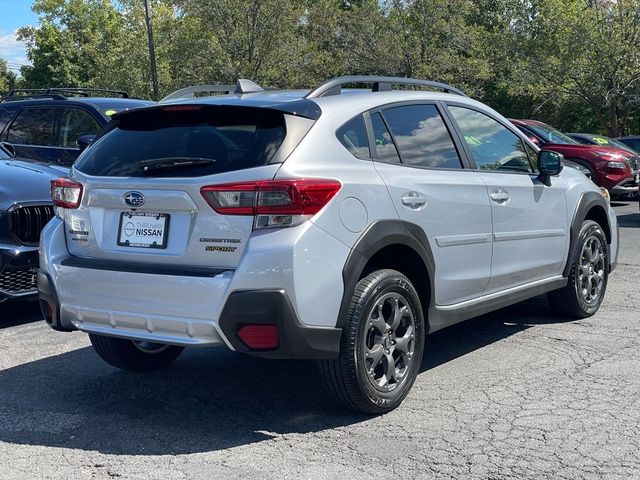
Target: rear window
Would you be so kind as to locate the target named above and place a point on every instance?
(183, 142)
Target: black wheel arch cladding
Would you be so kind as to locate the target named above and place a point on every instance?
(377, 236)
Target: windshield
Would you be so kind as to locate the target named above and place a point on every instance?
(610, 142)
(551, 135)
(189, 142)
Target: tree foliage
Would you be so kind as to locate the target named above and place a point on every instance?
(574, 63)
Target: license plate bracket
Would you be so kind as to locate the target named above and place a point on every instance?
(143, 230)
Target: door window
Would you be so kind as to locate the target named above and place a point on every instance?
(492, 145)
(32, 126)
(75, 123)
(422, 137)
(385, 149)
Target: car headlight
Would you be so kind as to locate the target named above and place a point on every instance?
(620, 165)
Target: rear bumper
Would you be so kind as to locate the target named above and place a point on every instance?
(273, 307)
(159, 307)
(191, 306)
(18, 267)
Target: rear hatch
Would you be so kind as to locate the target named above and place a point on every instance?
(140, 193)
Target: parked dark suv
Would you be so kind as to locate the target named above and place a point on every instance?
(609, 167)
(46, 124)
(43, 128)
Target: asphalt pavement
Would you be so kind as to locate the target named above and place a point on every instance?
(519, 394)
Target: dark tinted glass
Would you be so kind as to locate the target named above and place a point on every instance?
(422, 137)
(5, 117)
(492, 145)
(73, 124)
(385, 149)
(32, 126)
(234, 138)
(353, 135)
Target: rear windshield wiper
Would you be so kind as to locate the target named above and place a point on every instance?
(169, 163)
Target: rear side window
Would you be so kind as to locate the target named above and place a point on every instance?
(32, 126)
(186, 142)
(422, 137)
(493, 146)
(73, 124)
(353, 135)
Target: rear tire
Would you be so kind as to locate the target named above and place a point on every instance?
(134, 356)
(588, 276)
(381, 346)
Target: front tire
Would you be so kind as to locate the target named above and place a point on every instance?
(588, 276)
(381, 346)
(133, 355)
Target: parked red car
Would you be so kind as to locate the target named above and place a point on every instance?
(610, 167)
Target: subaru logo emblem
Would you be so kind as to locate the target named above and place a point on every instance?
(134, 199)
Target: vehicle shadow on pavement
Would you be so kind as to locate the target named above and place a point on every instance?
(458, 340)
(629, 220)
(209, 400)
(13, 314)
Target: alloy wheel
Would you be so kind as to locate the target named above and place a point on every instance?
(389, 342)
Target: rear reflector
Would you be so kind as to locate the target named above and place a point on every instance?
(66, 193)
(271, 197)
(259, 337)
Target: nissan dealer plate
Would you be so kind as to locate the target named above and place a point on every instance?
(143, 230)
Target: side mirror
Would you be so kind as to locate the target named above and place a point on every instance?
(9, 148)
(549, 164)
(84, 141)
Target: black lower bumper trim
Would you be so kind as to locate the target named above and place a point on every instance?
(296, 341)
(49, 302)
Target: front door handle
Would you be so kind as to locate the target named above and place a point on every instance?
(414, 200)
(499, 195)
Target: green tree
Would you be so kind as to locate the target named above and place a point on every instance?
(8, 79)
(583, 54)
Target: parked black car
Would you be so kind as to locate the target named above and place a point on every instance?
(46, 124)
(25, 207)
(42, 128)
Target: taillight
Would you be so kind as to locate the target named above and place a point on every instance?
(274, 203)
(66, 193)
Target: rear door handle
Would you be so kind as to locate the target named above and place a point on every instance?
(499, 195)
(413, 200)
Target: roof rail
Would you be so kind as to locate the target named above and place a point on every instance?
(189, 92)
(59, 93)
(242, 86)
(379, 84)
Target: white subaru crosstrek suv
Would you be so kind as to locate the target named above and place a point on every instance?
(341, 225)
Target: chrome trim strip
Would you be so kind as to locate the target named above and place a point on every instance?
(506, 236)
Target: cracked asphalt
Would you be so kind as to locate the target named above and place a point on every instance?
(517, 394)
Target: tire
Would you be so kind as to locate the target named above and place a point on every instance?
(134, 356)
(588, 276)
(361, 378)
